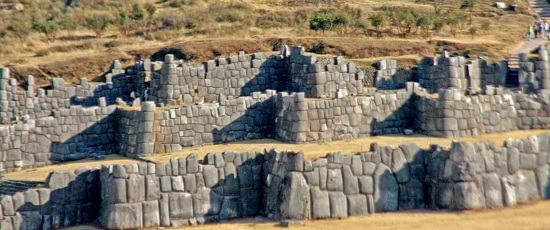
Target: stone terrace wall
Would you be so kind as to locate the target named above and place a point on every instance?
(345, 118)
(474, 176)
(455, 115)
(283, 185)
(533, 74)
(323, 78)
(70, 134)
(243, 118)
(67, 200)
(453, 72)
(233, 77)
(38, 103)
(184, 192)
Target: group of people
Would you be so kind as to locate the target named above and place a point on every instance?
(539, 30)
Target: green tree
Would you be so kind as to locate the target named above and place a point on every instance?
(425, 23)
(97, 23)
(123, 23)
(378, 21)
(320, 21)
(20, 26)
(469, 4)
(47, 27)
(452, 21)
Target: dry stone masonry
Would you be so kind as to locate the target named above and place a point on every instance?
(284, 185)
(164, 106)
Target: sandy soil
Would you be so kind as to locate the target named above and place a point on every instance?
(316, 150)
(525, 217)
(40, 174)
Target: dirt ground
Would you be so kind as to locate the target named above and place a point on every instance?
(316, 150)
(40, 174)
(524, 217)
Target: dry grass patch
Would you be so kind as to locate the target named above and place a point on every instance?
(41, 173)
(316, 150)
(523, 217)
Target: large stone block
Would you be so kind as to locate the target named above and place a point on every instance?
(320, 203)
(466, 196)
(297, 199)
(181, 205)
(357, 205)
(351, 184)
(399, 166)
(122, 216)
(338, 205)
(493, 190)
(151, 214)
(335, 181)
(386, 190)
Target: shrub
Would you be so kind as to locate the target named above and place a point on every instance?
(150, 8)
(468, 4)
(48, 28)
(328, 19)
(97, 23)
(472, 31)
(378, 21)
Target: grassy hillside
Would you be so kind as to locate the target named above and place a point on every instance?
(77, 38)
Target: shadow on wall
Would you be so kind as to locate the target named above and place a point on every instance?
(180, 194)
(92, 136)
(67, 200)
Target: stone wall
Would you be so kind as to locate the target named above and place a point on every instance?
(236, 76)
(533, 73)
(453, 72)
(182, 193)
(37, 103)
(301, 120)
(453, 114)
(243, 118)
(323, 78)
(67, 200)
(71, 133)
(285, 185)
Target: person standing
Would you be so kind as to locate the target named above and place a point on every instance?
(531, 32)
(546, 30)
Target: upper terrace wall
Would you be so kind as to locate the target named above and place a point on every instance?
(453, 114)
(533, 73)
(436, 73)
(300, 120)
(37, 103)
(243, 118)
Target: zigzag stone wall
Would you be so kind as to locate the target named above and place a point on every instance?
(284, 185)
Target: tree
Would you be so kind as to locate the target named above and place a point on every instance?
(97, 24)
(327, 20)
(123, 23)
(452, 21)
(378, 21)
(469, 4)
(47, 27)
(424, 22)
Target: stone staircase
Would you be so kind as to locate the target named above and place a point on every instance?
(542, 8)
(10, 187)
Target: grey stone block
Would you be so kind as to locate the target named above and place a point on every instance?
(122, 216)
(151, 214)
(335, 180)
(181, 205)
(466, 196)
(493, 191)
(386, 190)
(357, 205)
(338, 205)
(320, 203)
(351, 184)
(366, 184)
